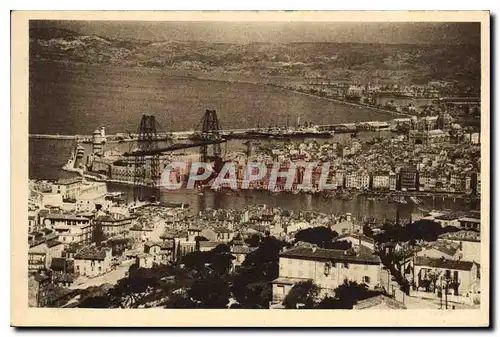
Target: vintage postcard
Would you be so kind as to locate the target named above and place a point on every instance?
(281, 169)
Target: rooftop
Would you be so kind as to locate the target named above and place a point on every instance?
(68, 181)
(379, 301)
(209, 244)
(242, 249)
(91, 254)
(443, 263)
(69, 217)
(355, 236)
(469, 219)
(364, 255)
(462, 236)
(446, 217)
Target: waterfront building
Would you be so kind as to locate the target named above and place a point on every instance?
(392, 181)
(427, 182)
(358, 181)
(68, 188)
(380, 181)
(75, 188)
(430, 137)
(122, 171)
(327, 268)
(408, 178)
(91, 262)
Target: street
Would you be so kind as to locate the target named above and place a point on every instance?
(112, 277)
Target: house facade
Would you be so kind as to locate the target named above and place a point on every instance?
(462, 276)
(327, 268)
(92, 262)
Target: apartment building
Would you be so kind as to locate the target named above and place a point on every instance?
(327, 268)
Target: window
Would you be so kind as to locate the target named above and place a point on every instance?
(366, 279)
(346, 265)
(327, 269)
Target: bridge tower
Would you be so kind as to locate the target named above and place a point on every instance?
(147, 167)
(210, 131)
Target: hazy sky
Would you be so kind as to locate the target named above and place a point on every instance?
(280, 32)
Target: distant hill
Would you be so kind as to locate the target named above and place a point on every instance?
(337, 61)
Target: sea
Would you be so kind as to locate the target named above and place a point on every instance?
(67, 98)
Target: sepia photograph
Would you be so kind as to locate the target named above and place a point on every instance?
(262, 163)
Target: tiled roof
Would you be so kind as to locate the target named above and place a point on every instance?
(355, 236)
(222, 230)
(91, 254)
(469, 219)
(208, 244)
(58, 216)
(106, 218)
(53, 243)
(364, 256)
(150, 244)
(443, 263)
(375, 301)
(462, 236)
(68, 181)
(242, 249)
(167, 245)
(446, 217)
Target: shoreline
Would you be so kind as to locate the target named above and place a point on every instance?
(329, 194)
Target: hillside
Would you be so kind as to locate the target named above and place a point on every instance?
(337, 61)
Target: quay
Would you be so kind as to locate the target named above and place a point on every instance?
(310, 132)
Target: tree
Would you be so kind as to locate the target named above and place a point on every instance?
(130, 291)
(179, 301)
(346, 296)
(254, 240)
(210, 292)
(251, 286)
(218, 260)
(433, 277)
(340, 245)
(303, 293)
(95, 302)
(368, 231)
(98, 235)
(320, 236)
